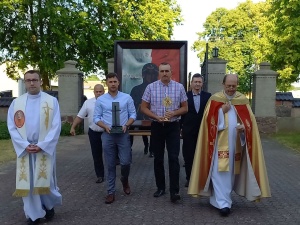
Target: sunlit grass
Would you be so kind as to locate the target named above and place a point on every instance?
(290, 139)
(7, 152)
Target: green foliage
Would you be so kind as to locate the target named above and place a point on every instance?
(46, 33)
(92, 78)
(284, 38)
(4, 134)
(236, 33)
(253, 33)
(66, 127)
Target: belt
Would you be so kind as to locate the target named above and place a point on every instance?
(165, 123)
(176, 121)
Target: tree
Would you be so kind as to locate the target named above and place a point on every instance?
(239, 36)
(45, 33)
(284, 37)
(92, 77)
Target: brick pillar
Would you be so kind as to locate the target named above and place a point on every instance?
(264, 95)
(216, 72)
(110, 65)
(70, 90)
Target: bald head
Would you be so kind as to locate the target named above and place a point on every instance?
(98, 90)
(230, 82)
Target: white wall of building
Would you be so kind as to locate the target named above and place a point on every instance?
(8, 84)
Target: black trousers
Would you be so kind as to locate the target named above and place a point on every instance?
(188, 151)
(96, 147)
(166, 134)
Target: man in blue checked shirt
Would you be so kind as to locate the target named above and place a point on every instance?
(164, 101)
(113, 141)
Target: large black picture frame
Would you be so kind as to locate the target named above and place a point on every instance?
(181, 46)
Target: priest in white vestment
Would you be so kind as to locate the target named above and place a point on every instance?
(34, 124)
(229, 154)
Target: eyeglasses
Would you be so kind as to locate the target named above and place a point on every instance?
(164, 71)
(28, 81)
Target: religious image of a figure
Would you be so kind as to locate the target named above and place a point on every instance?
(149, 75)
(19, 119)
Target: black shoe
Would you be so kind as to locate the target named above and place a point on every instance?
(99, 180)
(30, 222)
(187, 183)
(224, 211)
(158, 193)
(50, 214)
(146, 150)
(175, 197)
(151, 155)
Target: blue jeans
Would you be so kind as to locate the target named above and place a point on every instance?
(111, 144)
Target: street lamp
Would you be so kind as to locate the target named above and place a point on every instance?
(215, 52)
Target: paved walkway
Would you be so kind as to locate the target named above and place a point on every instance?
(83, 199)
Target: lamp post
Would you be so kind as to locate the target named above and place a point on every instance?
(215, 52)
(204, 68)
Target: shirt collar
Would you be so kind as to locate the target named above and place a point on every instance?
(195, 94)
(161, 83)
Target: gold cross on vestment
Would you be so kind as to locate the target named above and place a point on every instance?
(47, 112)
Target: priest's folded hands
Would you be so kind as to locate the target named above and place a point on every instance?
(32, 148)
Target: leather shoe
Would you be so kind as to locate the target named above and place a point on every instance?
(159, 193)
(99, 180)
(175, 197)
(224, 211)
(126, 187)
(109, 199)
(151, 155)
(187, 183)
(49, 214)
(30, 222)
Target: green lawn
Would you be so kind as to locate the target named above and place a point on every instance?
(290, 139)
(7, 152)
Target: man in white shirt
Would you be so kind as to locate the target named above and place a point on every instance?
(34, 124)
(95, 132)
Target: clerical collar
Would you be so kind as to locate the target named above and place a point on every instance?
(228, 96)
(34, 96)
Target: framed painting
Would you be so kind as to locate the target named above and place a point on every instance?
(137, 62)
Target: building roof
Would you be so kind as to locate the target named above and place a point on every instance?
(7, 93)
(6, 101)
(284, 96)
(296, 103)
